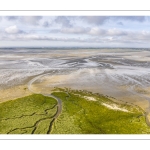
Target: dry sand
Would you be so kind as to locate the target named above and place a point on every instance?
(14, 93)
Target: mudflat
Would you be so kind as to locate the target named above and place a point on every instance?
(120, 74)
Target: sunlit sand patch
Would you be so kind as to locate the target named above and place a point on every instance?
(90, 98)
(13, 93)
(148, 91)
(46, 83)
(148, 117)
(139, 56)
(115, 107)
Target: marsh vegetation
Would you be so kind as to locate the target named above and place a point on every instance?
(83, 112)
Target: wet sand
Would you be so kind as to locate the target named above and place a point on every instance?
(45, 84)
(119, 73)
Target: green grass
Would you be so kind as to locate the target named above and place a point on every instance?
(34, 115)
(26, 114)
(82, 116)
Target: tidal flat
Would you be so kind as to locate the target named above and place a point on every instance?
(121, 74)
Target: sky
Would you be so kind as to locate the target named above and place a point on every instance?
(75, 31)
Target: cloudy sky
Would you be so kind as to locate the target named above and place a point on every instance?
(75, 31)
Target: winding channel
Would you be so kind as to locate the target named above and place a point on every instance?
(59, 105)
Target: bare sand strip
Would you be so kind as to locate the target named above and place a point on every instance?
(14, 93)
(115, 107)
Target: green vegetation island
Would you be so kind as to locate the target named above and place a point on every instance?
(80, 112)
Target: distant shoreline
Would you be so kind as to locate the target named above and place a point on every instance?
(63, 48)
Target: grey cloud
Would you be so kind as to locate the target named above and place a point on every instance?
(26, 37)
(32, 20)
(64, 21)
(11, 18)
(46, 24)
(120, 23)
(70, 21)
(132, 18)
(116, 32)
(98, 20)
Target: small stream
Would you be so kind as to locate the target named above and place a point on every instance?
(59, 105)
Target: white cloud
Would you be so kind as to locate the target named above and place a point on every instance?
(101, 37)
(75, 30)
(28, 37)
(94, 31)
(12, 30)
(79, 29)
(97, 31)
(95, 35)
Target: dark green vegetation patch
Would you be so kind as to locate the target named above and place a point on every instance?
(29, 115)
(82, 113)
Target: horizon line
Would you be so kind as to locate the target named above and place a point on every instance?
(42, 47)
